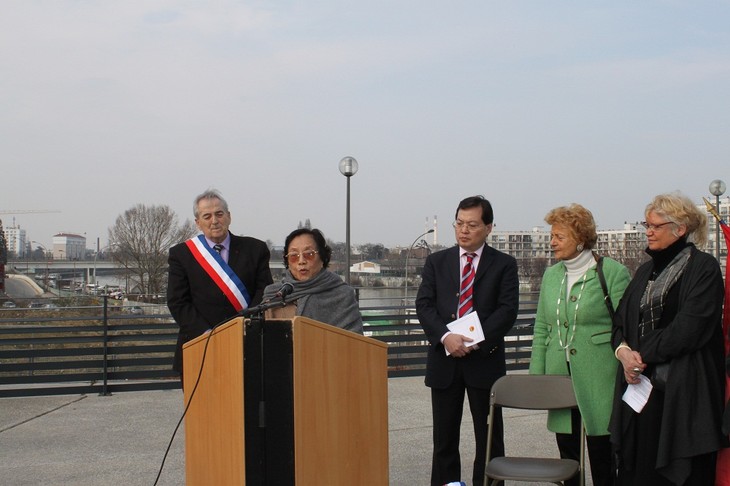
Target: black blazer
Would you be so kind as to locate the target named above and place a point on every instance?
(195, 301)
(495, 299)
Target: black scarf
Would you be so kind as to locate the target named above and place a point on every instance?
(669, 264)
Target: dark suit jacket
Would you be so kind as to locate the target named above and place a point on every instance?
(195, 301)
(495, 299)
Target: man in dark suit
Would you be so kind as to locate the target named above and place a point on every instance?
(215, 275)
(470, 277)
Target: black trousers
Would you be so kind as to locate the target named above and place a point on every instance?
(448, 407)
(599, 453)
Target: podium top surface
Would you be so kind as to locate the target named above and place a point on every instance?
(297, 321)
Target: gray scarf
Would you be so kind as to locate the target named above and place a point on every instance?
(652, 302)
(324, 297)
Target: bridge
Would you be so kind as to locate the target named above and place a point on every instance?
(81, 270)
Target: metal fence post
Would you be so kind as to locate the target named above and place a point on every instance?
(105, 324)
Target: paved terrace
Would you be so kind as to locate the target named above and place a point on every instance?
(91, 440)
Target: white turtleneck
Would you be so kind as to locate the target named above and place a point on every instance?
(578, 266)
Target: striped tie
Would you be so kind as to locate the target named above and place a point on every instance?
(467, 286)
(218, 248)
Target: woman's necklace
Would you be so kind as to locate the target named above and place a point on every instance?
(568, 342)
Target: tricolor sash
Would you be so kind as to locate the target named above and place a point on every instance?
(218, 270)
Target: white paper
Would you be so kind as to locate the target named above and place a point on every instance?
(468, 326)
(637, 395)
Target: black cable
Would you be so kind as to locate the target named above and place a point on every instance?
(192, 394)
(260, 309)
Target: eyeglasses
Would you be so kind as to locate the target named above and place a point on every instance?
(472, 226)
(653, 227)
(308, 255)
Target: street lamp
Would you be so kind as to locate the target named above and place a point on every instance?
(96, 255)
(717, 189)
(45, 257)
(348, 168)
(408, 253)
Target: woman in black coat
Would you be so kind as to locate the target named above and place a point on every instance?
(668, 329)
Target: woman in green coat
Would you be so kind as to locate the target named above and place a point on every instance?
(573, 335)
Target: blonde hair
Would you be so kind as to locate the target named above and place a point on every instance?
(578, 220)
(679, 209)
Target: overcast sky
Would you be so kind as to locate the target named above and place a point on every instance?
(534, 104)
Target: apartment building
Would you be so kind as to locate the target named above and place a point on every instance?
(616, 243)
(67, 246)
(622, 244)
(534, 243)
(15, 240)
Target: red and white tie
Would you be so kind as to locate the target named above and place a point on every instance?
(467, 286)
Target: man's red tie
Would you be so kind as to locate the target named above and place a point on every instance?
(467, 286)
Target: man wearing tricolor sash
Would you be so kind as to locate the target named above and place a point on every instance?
(215, 275)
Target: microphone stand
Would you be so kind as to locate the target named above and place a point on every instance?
(257, 316)
(257, 312)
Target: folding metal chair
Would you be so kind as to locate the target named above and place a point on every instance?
(532, 392)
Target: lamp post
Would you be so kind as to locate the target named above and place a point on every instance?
(348, 168)
(93, 276)
(45, 255)
(717, 189)
(60, 275)
(111, 245)
(408, 253)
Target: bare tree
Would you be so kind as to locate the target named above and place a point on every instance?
(3, 258)
(632, 254)
(3, 246)
(531, 269)
(39, 254)
(141, 238)
(373, 251)
(339, 251)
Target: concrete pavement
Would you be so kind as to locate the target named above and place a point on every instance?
(90, 440)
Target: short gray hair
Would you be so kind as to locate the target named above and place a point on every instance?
(209, 194)
(679, 209)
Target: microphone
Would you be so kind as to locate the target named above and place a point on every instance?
(284, 291)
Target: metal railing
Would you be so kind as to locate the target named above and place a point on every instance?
(107, 349)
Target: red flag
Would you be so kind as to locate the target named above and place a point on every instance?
(726, 307)
(723, 457)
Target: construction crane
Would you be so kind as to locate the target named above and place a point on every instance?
(26, 211)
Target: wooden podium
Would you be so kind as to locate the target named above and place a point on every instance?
(285, 402)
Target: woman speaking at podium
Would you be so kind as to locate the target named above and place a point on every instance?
(318, 293)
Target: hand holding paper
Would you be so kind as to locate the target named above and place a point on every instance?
(637, 395)
(468, 326)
